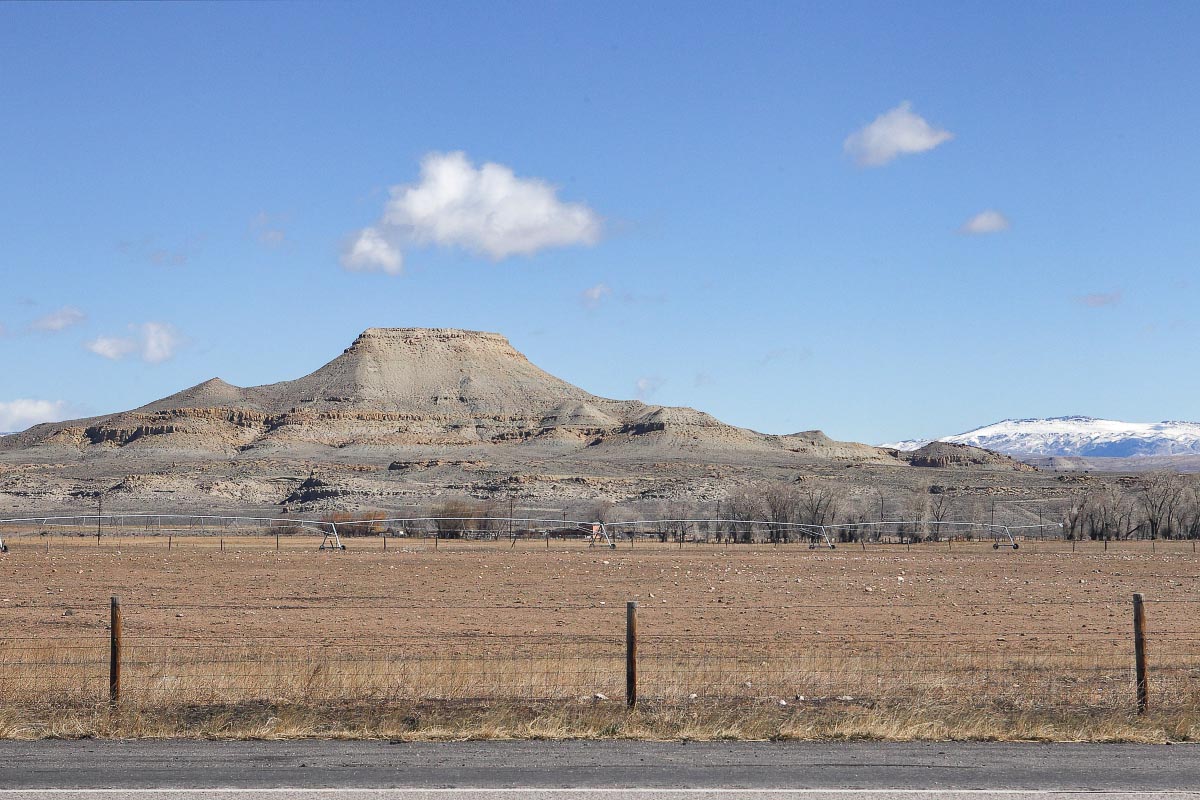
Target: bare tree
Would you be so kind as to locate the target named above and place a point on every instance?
(941, 504)
(915, 514)
(820, 502)
(602, 511)
(679, 512)
(454, 517)
(1074, 519)
(1107, 514)
(744, 506)
(1188, 513)
(781, 502)
(1159, 497)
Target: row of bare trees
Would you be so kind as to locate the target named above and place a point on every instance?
(1156, 505)
(784, 507)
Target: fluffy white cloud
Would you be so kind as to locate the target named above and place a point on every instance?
(58, 320)
(17, 415)
(894, 133)
(990, 221)
(154, 342)
(486, 210)
(368, 251)
(593, 295)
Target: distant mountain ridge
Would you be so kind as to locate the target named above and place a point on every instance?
(1077, 436)
(419, 392)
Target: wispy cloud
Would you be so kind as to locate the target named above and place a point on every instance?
(159, 255)
(627, 296)
(268, 229)
(785, 353)
(892, 134)
(153, 342)
(647, 385)
(485, 210)
(594, 295)
(58, 320)
(1100, 299)
(159, 342)
(989, 221)
(17, 415)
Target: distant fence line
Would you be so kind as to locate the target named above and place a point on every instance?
(332, 531)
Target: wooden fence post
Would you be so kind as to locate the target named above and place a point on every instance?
(1139, 652)
(631, 653)
(114, 650)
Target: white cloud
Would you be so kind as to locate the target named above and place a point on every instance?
(159, 342)
(593, 295)
(111, 347)
(486, 210)
(990, 221)
(154, 342)
(370, 252)
(17, 415)
(894, 133)
(647, 386)
(58, 320)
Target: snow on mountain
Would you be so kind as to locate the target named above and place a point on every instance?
(1078, 436)
(907, 444)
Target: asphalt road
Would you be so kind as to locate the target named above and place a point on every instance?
(158, 769)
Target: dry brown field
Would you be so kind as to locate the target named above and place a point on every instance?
(491, 638)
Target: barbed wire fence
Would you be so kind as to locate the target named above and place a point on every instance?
(128, 662)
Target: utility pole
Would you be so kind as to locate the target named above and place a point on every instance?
(99, 512)
(510, 517)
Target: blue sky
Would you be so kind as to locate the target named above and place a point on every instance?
(762, 211)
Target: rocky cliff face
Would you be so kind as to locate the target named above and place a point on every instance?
(942, 455)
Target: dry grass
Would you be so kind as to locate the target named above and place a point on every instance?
(482, 640)
(423, 721)
(55, 689)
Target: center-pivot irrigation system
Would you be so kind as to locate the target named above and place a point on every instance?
(597, 533)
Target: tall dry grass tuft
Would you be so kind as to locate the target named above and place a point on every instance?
(590, 720)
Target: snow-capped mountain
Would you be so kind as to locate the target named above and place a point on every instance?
(1078, 436)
